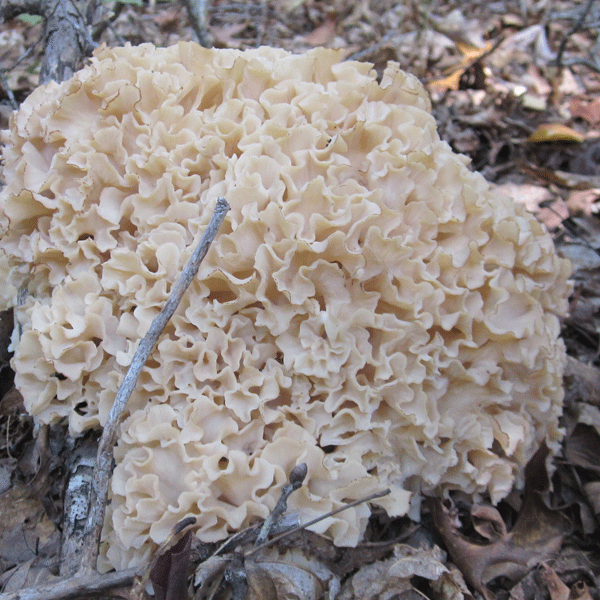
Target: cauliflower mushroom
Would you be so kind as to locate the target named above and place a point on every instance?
(371, 307)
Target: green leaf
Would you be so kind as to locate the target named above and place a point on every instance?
(30, 19)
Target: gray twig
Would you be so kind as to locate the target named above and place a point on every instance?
(198, 13)
(74, 587)
(103, 469)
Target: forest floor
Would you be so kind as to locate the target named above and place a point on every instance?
(515, 85)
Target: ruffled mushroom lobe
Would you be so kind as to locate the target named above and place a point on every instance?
(372, 308)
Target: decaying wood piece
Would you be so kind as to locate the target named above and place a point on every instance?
(67, 32)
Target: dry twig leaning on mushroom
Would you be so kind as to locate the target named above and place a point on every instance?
(371, 308)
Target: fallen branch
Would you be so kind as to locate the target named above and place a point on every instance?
(75, 587)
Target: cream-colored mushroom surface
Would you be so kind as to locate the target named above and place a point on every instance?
(370, 307)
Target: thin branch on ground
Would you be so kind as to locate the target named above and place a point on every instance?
(75, 587)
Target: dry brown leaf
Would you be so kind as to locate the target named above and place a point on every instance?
(582, 448)
(592, 494)
(272, 580)
(24, 526)
(420, 562)
(451, 586)
(587, 108)
(563, 179)
(537, 534)
(11, 403)
(373, 582)
(583, 202)
(7, 467)
(17, 577)
(226, 36)
(169, 574)
(169, 17)
(558, 590)
(322, 35)
(290, 575)
(580, 591)
(451, 82)
(391, 578)
(471, 54)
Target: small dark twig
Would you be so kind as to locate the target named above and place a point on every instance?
(103, 469)
(563, 44)
(297, 476)
(317, 520)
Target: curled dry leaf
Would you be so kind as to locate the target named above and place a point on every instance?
(169, 574)
(426, 563)
(537, 534)
(488, 522)
(583, 443)
(289, 575)
(168, 570)
(580, 591)
(292, 576)
(451, 586)
(582, 448)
